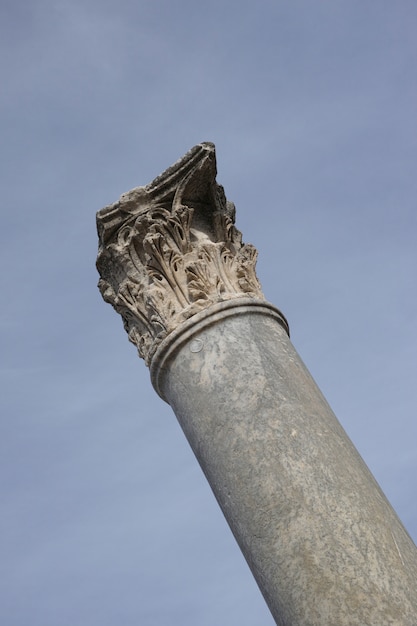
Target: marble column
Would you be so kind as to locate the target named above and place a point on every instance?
(322, 541)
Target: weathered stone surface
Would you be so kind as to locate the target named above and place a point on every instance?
(323, 543)
(170, 249)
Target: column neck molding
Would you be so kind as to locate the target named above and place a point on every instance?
(189, 330)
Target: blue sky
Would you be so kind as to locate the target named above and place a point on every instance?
(107, 518)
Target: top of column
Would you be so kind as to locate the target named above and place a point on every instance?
(170, 250)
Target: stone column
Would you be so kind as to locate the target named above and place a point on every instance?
(322, 541)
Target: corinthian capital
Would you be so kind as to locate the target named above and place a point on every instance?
(170, 249)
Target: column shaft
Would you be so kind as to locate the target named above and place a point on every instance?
(323, 543)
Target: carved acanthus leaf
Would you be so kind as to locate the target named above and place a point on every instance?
(171, 249)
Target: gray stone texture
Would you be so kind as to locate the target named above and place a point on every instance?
(323, 543)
